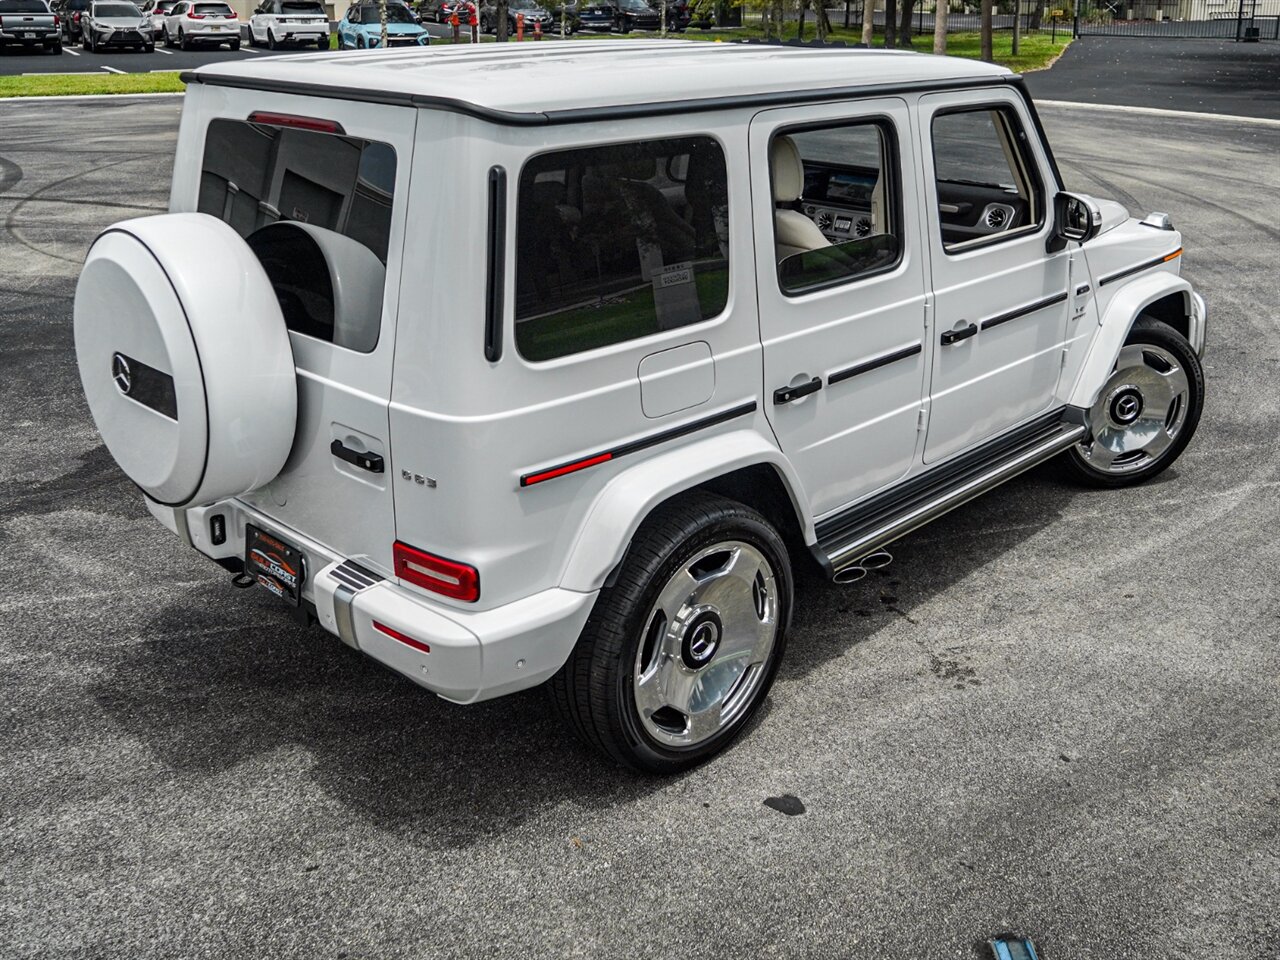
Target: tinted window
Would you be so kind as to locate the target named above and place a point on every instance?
(23, 6)
(985, 176)
(254, 176)
(213, 9)
(313, 8)
(619, 242)
(844, 224)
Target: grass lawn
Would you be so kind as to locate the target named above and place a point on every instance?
(1035, 51)
(79, 84)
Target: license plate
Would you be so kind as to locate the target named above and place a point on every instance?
(274, 564)
(216, 27)
(29, 36)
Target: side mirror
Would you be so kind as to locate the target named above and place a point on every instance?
(1075, 218)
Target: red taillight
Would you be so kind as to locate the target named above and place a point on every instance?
(192, 15)
(445, 577)
(231, 16)
(403, 638)
(57, 21)
(76, 18)
(300, 123)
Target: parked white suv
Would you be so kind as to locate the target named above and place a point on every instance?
(289, 21)
(556, 376)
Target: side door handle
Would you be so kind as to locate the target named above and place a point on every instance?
(787, 394)
(365, 461)
(955, 336)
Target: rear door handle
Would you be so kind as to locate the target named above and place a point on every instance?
(365, 461)
(787, 394)
(955, 336)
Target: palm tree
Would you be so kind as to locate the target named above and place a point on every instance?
(986, 31)
(940, 11)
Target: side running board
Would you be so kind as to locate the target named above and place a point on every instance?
(847, 537)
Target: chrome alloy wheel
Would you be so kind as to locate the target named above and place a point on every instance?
(1139, 412)
(706, 645)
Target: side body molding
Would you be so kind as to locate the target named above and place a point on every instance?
(615, 516)
(1121, 312)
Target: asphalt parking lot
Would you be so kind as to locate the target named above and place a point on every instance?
(1057, 714)
(1210, 76)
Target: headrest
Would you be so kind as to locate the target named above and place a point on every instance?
(788, 170)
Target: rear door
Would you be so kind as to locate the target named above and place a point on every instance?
(1000, 301)
(341, 184)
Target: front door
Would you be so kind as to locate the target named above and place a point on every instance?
(841, 286)
(1000, 301)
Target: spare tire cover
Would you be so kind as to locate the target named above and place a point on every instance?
(185, 358)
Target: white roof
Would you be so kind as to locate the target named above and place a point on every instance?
(550, 76)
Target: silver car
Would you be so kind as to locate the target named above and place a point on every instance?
(116, 23)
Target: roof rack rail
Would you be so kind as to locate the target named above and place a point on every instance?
(800, 43)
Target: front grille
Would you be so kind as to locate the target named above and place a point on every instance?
(402, 42)
(126, 37)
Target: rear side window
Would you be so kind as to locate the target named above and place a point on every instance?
(255, 176)
(619, 242)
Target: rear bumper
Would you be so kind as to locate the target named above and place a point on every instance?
(198, 31)
(474, 655)
(29, 34)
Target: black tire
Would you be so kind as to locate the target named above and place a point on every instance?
(271, 40)
(360, 42)
(1149, 330)
(183, 42)
(235, 44)
(149, 48)
(168, 41)
(322, 43)
(86, 42)
(594, 692)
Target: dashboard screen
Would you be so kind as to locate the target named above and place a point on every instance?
(850, 188)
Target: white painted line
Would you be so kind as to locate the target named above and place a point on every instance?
(11, 101)
(167, 53)
(112, 70)
(74, 73)
(74, 53)
(249, 50)
(164, 71)
(1158, 112)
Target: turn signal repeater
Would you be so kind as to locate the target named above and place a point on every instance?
(448, 578)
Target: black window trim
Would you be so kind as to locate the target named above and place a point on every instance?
(614, 142)
(894, 157)
(1032, 167)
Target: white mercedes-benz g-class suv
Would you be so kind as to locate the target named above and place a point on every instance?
(526, 364)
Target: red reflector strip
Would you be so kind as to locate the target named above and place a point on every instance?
(560, 471)
(298, 123)
(397, 635)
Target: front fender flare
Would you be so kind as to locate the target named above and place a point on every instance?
(628, 498)
(1121, 313)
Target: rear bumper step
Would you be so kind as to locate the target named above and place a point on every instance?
(843, 540)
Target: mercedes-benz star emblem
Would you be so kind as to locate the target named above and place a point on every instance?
(121, 373)
(1128, 407)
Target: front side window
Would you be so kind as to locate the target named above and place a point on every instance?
(836, 204)
(986, 183)
(619, 242)
(341, 188)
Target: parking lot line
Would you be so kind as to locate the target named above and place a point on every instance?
(74, 53)
(167, 53)
(249, 50)
(73, 73)
(113, 70)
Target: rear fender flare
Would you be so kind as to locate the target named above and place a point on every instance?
(1121, 314)
(624, 503)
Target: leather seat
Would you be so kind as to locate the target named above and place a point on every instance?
(793, 231)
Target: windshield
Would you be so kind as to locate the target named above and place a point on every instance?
(395, 14)
(116, 10)
(22, 6)
(636, 5)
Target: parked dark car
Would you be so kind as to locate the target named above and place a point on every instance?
(679, 13)
(30, 23)
(533, 14)
(631, 15)
(441, 10)
(596, 16)
(70, 12)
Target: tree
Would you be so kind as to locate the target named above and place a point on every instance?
(868, 21)
(986, 31)
(890, 23)
(904, 26)
(940, 11)
(500, 28)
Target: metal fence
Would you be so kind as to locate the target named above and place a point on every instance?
(962, 18)
(1181, 19)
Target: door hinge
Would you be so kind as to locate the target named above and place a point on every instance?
(1066, 352)
(921, 419)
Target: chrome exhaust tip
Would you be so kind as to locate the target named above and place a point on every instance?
(850, 575)
(876, 561)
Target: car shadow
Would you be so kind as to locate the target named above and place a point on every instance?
(226, 678)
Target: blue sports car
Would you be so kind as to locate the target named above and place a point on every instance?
(361, 28)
